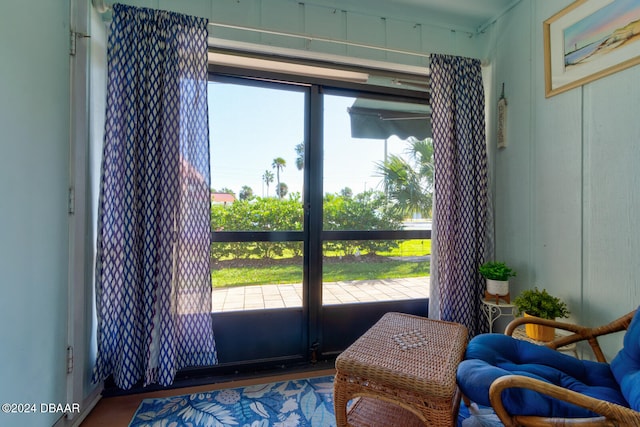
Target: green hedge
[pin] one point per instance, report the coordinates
(364, 211)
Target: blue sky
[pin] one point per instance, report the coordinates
(250, 126)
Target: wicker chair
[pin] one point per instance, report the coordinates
(517, 378)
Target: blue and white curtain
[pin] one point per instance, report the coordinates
(460, 188)
(153, 283)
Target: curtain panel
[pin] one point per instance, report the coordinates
(460, 188)
(153, 283)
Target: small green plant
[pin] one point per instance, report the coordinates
(541, 304)
(496, 271)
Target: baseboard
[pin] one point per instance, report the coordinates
(86, 407)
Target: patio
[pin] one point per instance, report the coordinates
(290, 295)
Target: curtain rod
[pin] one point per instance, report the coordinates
(311, 38)
(102, 7)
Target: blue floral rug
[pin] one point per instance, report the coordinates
(305, 402)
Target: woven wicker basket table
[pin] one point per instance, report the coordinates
(403, 370)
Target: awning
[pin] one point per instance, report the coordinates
(381, 119)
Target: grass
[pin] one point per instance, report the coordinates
(333, 272)
(410, 248)
(374, 270)
(415, 247)
(234, 276)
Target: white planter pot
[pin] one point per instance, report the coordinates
(497, 287)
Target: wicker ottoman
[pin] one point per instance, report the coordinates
(404, 371)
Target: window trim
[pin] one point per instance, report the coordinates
(330, 86)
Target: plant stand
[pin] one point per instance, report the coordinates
(497, 298)
(493, 310)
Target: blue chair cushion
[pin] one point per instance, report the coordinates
(626, 365)
(490, 356)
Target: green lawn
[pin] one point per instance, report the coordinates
(361, 269)
(333, 272)
(410, 248)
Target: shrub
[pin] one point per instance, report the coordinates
(364, 211)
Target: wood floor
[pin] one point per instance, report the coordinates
(118, 411)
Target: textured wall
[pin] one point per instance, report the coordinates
(565, 188)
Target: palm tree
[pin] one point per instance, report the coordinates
(421, 152)
(409, 183)
(278, 164)
(346, 192)
(300, 156)
(282, 190)
(267, 177)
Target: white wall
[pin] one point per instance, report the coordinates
(566, 187)
(34, 139)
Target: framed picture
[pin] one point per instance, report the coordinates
(590, 39)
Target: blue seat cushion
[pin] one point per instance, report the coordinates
(626, 365)
(490, 356)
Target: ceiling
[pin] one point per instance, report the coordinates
(463, 15)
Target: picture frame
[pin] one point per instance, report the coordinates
(588, 40)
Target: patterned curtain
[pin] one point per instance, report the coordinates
(460, 205)
(153, 284)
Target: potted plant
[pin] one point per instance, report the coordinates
(539, 303)
(497, 276)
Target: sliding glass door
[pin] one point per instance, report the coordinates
(320, 214)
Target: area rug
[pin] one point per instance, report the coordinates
(304, 402)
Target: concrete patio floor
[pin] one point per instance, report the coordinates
(290, 295)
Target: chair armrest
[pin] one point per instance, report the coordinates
(580, 333)
(613, 414)
(576, 329)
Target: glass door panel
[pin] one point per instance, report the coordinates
(377, 177)
(375, 182)
(257, 134)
